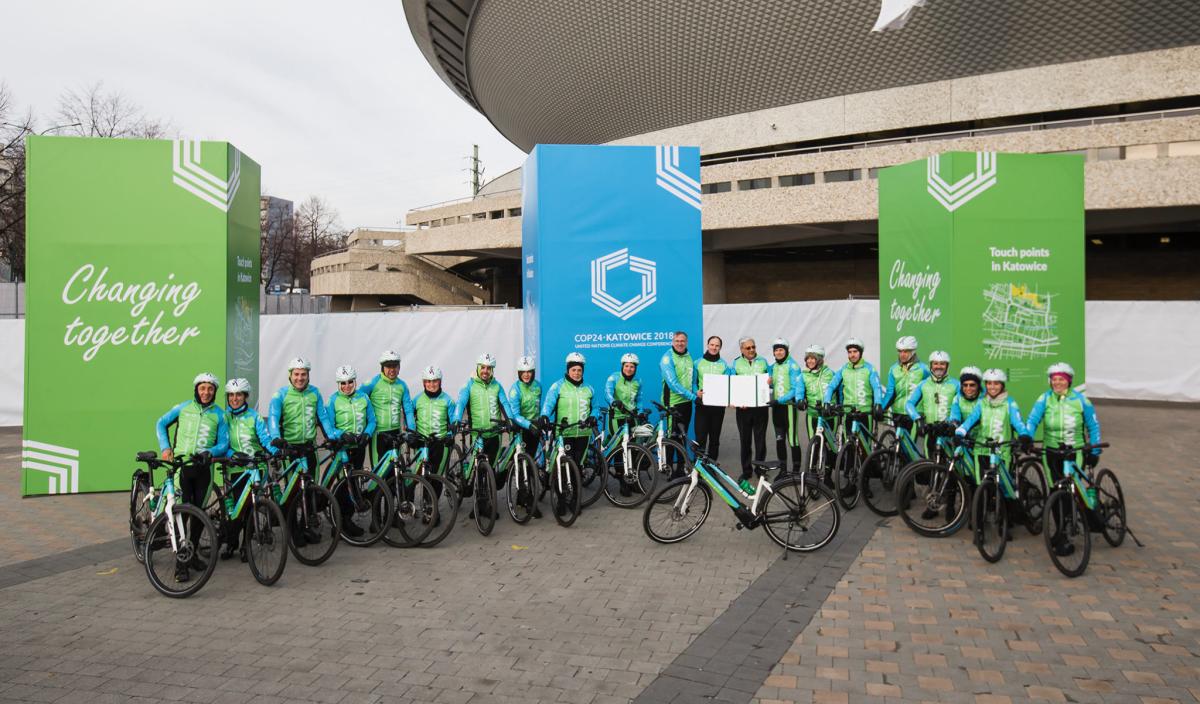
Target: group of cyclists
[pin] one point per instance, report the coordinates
(379, 413)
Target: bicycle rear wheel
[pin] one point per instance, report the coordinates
(932, 500)
(674, 514)
(139, 515)
(265, 541)
(846, 472)
(564, 492)
(182, 570)
(629, 489)
(444, 513)
(522, 488)
(313, 518)
(990, 519)
(1110, 506)
(801, 516)
(877, 481)
(485, 496)
(414, 510)
(371, 511)
(1031, 487)
(1066, 532)
(674, 463)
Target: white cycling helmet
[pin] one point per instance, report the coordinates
(908, 342)
(389, 357)
(238, 386)
(969, 372)
(780, 342)
(939, 356)
(1061, 368)
(206, 378)
(345, 373)
(995, 375)
(299, 363)
(525, 364)
(629, 358)
(486, 360)
(815, 350)
(431, 373)
(575, 358)
(855, 342)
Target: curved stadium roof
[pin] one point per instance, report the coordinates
(563, 71)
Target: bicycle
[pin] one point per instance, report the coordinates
(438, 517)
(264, 539)
(668, 443)
(371, 508)
(475, 471)
(313, 517)
(995, 488)
(1079, 505)
(169, 548)
(857, 443)
(882, 468)
(631, 474)
(563, 482)
(521, 490)
(933, 495)
(823, 445)
(804, 506)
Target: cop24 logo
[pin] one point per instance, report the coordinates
(621, 258)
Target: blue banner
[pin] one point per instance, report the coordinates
(611, 254)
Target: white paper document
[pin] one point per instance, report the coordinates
(716, 389)
(749, 390)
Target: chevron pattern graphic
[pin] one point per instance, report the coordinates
(671, 178)
(953, 196)
(61, 463)
(190, 176)
(624, 309)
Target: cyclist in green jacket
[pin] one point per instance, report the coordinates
(998, 418)
(623, 392)
(679, 386)
(856, 383)
(785, 384)
(931, 400)
(751, 422)
(482, 403)
(432, 410)
(393, 405)
(248, 434)
(352, 412)
(525, 397)
(297, 410)
(1070, 419)
(709, 419)
(904, 376)
(814, 379)
(970, 387)
(200, 432)
(570, 400)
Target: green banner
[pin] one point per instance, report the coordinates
(981, 254)
(143, 265)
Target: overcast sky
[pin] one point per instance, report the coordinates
(331, 98)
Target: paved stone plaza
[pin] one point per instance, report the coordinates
(598, 613)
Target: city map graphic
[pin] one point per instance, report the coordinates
(1018, 323)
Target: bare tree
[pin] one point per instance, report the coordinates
(12, 183)
(92, 112)
(318, 230)
(278, 237)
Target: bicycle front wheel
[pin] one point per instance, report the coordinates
(414, 510)
(139, 516)
(522, 489)
(630, 483)
(990, 520)
(367, 511)
(846, 471)
(265, 541)
(180, 568)
(1111, 507)
(801, 516)
(592, 475)
(674, 512)
(1066, 532)
(313, 518)
(877, 481)
(932, 500)
(1031, 487)
(485, 497)
(565, 498)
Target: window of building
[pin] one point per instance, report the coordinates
(495, 214)
(797, 180)
(753, 184)
(435, 223)
(1110, 153)
(1183, 148)
(716, 187)
(843, 175)
(873, 172)
(514, 212)
(1142, 151)
(479, 216)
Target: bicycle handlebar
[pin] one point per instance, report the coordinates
(1064, 450)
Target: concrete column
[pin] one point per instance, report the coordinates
(714, 277)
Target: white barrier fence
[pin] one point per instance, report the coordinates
(1143, 350)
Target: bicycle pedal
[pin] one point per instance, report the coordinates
(740, 526)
